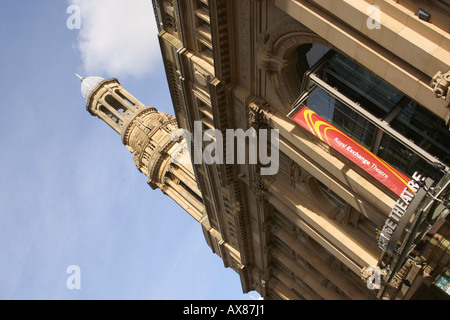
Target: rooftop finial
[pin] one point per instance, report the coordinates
(81, 78)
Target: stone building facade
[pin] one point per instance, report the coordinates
(371, 68)
(323, 227)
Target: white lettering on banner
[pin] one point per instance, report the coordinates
(352, 151)
(340, 143)
(356, 154)
(399, 210)
(382, 173)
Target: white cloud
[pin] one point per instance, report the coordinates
(117, 37)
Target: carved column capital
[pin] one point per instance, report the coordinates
(259, 189)
(256, 116)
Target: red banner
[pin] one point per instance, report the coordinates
(376, 167)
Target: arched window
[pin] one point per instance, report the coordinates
(109, 114)
(117, 91)
(190, 191)
(112, 101)
(308, 55)
(332, 197)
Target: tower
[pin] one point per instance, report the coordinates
(147, 133)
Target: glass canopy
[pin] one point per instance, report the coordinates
(378, 116)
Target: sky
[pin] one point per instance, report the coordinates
(70, 194)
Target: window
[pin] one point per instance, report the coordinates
(109, 114)
(422, 126)
(343, 117)
(112, 101)
(308, 55)
(206, 115)
(205, 50)
(191, 192)
(333, 197)
(374, 113)
(124, 98)
(359, 84)
(203, 30)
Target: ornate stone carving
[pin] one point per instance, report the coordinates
(441, 84)
(271, 226)
(256, 117)
(265, 274)
(295, 172)
(279, 54)
(259, 189)
(277, 50)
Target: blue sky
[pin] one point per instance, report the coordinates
(70, 193)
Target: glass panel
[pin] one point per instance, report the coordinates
(405, 160)
(341, 116)
(426, 130)
(360, 85)
(308, 56)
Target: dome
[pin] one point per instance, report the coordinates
(89, 84)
